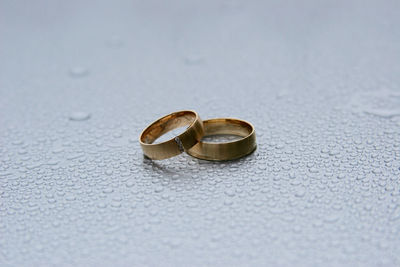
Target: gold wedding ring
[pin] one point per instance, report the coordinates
(177, 145)
(227, 150)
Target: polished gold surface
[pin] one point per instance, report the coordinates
(177, 145)
(228, 150)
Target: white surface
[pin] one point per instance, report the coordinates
(319, 80)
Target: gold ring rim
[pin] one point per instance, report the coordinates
(225, 151)
(175, 146)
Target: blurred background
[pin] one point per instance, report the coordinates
(319, 80)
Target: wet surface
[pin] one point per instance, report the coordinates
(320, 83)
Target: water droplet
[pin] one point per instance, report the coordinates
(108, 190)
(382, 112)
(79, 116)
(78, 72)
(228, 202)
(230, 192)
(300, 192)
(383, 103)
(158, 189)
(331, 218)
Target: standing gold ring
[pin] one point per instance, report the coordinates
(227, 150)
(177, 145)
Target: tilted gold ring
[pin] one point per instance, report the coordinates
(177, 145)
(228, 150)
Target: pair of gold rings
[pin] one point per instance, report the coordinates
(190, 140)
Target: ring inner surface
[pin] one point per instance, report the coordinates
(166, 124)
(226, 127)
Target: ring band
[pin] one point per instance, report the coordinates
(227, 150)
(177, 145)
